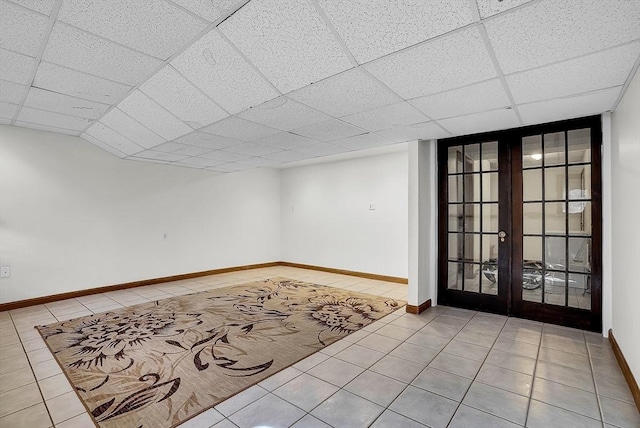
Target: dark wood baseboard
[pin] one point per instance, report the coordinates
(366, 275)
(417, 309)
(626, 371)
(79, 293)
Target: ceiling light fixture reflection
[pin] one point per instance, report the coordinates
(536, 156)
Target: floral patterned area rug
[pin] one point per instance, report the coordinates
(158, 364)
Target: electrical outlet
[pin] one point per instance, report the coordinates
(372, 206)
(5, 271)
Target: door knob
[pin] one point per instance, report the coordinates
(502, 234)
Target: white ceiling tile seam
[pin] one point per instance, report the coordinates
(636, 66)
(335, 33)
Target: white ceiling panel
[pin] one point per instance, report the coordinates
(172, 91)
(111, 138)
(322, 149)
(260, 162)
(373, 28)
(209, 9)
(65, 104)
(75, 83)
(550, 31)
(225, 156)
(82, 51)
(133, 130)
(200, 162)
(220, 72)
(41, 127)
(42, 6)
(569, 107)
(49, 118)
(11, 92)
(252, 149)
(329, 130)
(418, 131)
(21, 30)
(446, 63)
(287, 40)
(161, 156)
(15, 67)
(474, 98)
(387, 117)
(103, 146)
(350, 92)
(230, 167)
(182, 149)
(481, 122)
(588, 73)
(239, 129)
(5, 121)
(135, 23)
(153, 116)
(8, 110)
(284, 114)
(359, 142)
(286, 156)
(286, 141)
(493, 7)
(213, 142)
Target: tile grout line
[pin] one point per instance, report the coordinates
(533, 376)
(595, 385)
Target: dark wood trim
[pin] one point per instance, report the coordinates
(86, 292)
(79, 293)
(626, 371)
(366, 275)
(417, 309)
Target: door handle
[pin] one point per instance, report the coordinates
(502, 234)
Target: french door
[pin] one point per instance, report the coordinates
(520, 222)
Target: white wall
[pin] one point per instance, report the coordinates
(625, 211)
(74, 217)
(326, 219)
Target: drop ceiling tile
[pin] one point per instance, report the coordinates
(160, 156)
(225, 156)
(213, 142)
(446, 63)
(11, 92)
(418, 131)
(200, 162)
(88, 138)
(329, 130)
(5, 121)
(111, 138)
(359, 142)
(182, 149)
(286, 141)
(150, 114)
(133, 130)
(493, 7)
(322, 149)
(260, 162)
(550, 31)
(481, 122)
(42, 6)
(82, 51)
(350, 92)
(21, 30)
(239, 129)
(8, 110)
(569, 107)
(16, 67)
(373, 28)
(75, 83)
(287, 156)
(252, 149)
(230, 167)
(387, 117)
(287, 41)
(588, 73)
(222, 73)
(474, 98)
(284, 114)
(155, 27)
(172, 91)
(41, 127)
(147, 160)
(49, 118)
(65, 104)
(207, 9)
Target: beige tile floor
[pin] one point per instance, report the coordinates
(444, 367)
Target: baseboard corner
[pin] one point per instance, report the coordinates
(411, 309)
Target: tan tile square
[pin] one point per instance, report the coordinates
(19, 398)
(16, 379)
(31, 417)
(65, 406)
